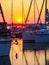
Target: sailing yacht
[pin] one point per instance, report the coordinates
(28, 36)
(5, 36)
(5, 44)
(5, 40)
(42, 35)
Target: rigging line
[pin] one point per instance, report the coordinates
(45, 9)
(37, 9)
(34, 12)
(45, 23)
(12, 24)
(2, 13)
(28, 11)
(22, 11)
(40, 12)
(12, 12)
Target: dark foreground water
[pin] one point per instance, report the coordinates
(28, 54)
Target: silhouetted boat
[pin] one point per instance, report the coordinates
(5, 39)
(42, 35)
(28, 36)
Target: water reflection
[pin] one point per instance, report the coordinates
(19, 55)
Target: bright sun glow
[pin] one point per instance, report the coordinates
(19, 20)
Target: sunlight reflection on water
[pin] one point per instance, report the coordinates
(28, 57)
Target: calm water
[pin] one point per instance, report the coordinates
(28, 57)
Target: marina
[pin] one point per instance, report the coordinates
(26, 44)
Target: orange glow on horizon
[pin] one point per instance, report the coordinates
(17, 11)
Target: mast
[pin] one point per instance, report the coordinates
(45, 24)
(1, 12)
(45, 10)
(12, 23)
(12, 12)
(22, 13)
(34, 11)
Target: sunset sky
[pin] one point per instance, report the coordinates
(17, 10)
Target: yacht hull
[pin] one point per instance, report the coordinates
(28, 37)
(5, 45)
(42, 38)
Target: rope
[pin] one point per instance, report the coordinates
(28, 11)
(37, 9)
(40, 12)
(34, 12)
(45, 10)
(2, 13)
(12, 12)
